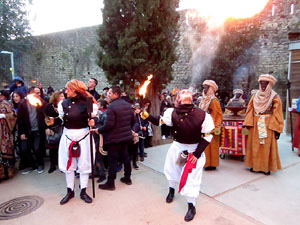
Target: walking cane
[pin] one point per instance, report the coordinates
(290, 105)
(90, 110)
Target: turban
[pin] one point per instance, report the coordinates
(212, 84)
(184, 97)
(263, 99)
(210, 94)
(238, 91)
(267, 77)
(79, 88)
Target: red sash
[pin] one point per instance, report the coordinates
(189, 166)
(70, 154)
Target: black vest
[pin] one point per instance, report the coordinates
(75, 113)
(187, 124)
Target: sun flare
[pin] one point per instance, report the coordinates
(217, 11)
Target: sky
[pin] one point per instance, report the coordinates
(48, 16)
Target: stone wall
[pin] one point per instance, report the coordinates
(59, 57)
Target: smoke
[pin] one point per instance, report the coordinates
(204, 41)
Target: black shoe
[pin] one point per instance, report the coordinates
(101, 179)
(251, 170)
(170, 196)
(69, 195)
(84, 196)
(126, 180)
(107, 187)
(141, 158)
(190, 213)
(145, 154)
(135, 166)
(209, 168)
(267, 173)
(52, 169)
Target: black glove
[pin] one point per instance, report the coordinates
(277, 135)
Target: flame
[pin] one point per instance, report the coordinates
(217, 11)
(143, 89)
(33, 100)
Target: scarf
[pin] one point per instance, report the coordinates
(206, 98)
(263, 99)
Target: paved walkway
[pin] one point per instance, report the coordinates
(230, 195)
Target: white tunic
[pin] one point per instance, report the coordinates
(83, 163)
(173, 171)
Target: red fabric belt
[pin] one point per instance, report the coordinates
(70, 154)
(189, 166)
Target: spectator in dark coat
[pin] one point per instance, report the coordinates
(117, 128)
(31, 124)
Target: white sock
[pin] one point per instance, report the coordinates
(70, 178)
(191, 200)
(84, 180)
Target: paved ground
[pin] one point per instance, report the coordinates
(230, 195)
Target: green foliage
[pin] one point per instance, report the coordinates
(138, 38)
(239, 36)
(14, 27)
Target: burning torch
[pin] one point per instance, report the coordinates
(143, 89)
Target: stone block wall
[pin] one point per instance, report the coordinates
(62, 56)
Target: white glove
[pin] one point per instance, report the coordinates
(290, 109)
(2, 116)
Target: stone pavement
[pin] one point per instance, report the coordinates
(230, 195)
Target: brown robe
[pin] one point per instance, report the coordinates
(6, 130)
(6, 138)
(212, 150)
(264, 157)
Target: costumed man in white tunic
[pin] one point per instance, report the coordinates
(191, 127)
(73, 112)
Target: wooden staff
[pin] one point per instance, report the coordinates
(90, 110)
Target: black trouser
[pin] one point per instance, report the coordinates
(53, 156)
(99, 158)
(133, 151)
(33, 142)
(114, 151)
(165, 130)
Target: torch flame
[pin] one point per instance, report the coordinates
(33, 100)
(143, 89)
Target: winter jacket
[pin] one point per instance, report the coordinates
(118, 123)
(23, 89)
